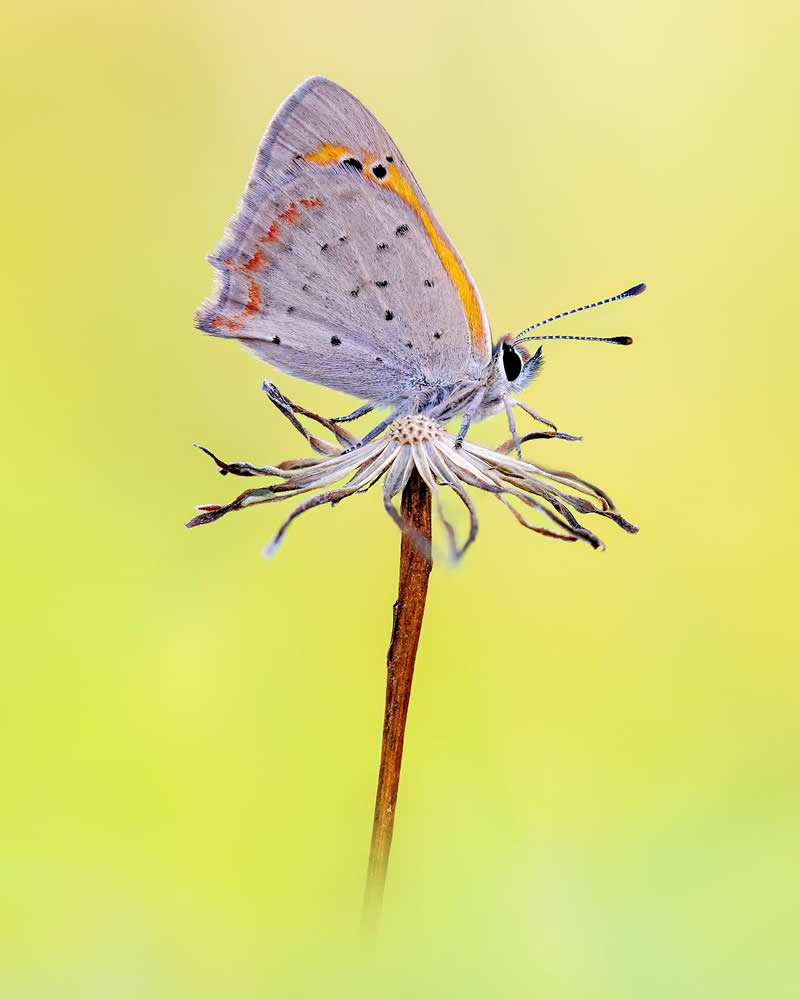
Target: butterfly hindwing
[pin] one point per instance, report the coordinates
(335, 268)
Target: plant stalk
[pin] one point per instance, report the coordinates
(409, 609)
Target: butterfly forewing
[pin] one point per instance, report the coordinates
(335, 268)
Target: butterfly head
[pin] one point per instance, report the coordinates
(511, 370)
(514, 365)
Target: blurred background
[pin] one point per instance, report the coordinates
(600, 794)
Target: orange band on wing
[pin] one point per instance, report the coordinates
(329, 155)
(466, 290)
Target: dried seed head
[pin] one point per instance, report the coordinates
(420, 442)
(414, 430)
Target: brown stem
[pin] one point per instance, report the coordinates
(415, 568)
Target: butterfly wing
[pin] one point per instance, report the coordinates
(335, 268)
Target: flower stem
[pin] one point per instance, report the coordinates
(409, 609)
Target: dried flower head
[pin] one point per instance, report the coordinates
(349, 467)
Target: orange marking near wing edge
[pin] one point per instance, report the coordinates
(254, 297)
(254, 300)
(226, 324)
(291, 216)
(273, 234)
(258, 262)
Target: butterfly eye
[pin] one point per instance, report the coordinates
(512, 363)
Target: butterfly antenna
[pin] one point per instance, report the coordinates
(627, 294)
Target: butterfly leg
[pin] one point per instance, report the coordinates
(362, 411)
(375, 431)
(472, 409)
(512, 426)
(534, 414)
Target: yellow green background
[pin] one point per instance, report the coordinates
(600, 790)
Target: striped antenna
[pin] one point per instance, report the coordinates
(628, 294)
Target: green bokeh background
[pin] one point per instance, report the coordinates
(600, 785)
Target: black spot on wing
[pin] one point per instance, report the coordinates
(388, 314)
(383, 246)
(276, 340)
(335, 341)
(401, 230)
(353, 164)
(355, 292)
(381, 284)
(428, 282)
(379, 171)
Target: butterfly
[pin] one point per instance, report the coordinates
(336, 270)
